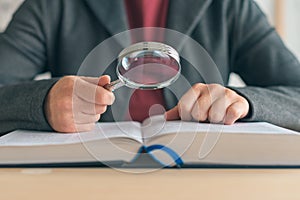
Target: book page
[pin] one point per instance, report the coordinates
(241, 143)
(157, 126)
(102, 131)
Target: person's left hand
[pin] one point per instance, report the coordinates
(210, 102)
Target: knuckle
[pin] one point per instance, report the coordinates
(204, 101)
(227, 91)
(198, 86)
(232, 112)
(230, 94)
(214, 88)
(214, 85)
(243, 100)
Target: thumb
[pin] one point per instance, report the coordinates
(172, 114)
(104, 80)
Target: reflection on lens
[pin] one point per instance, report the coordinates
(148, 69)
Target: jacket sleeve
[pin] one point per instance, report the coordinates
(270, 70)
(22, 57)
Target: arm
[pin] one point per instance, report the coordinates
(22, 57)
(270, 70)
(70, 104)
(21, 106)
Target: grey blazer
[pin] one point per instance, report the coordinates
(57, 35)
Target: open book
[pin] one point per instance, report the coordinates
(168, 143)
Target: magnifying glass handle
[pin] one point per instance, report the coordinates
(114, 85)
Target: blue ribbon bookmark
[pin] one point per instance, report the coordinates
(169, 151)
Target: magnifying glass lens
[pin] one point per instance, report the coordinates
(148, 66)
(148, 69)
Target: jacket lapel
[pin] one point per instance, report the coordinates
(111, 13)
(184, 15)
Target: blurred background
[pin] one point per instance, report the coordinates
(283, 14)
(7, 8)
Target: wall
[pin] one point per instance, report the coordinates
(292, 19)
(7, 7)
(269, 8)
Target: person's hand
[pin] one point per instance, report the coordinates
(212, 102)
(74, 103)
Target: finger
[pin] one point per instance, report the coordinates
(85, 90)
(201, 107)
(85, 127)
(188, 100)
(209, 94)
(93, 93)
(234, 112)
(104, 80)
(80, 105)
(104, 96)
(92, 80)
(99, 109)
(218, 109)
(172, 114)
(82, 118)
(100, 81)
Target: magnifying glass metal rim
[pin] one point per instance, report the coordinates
(145, 46)
(150, 46)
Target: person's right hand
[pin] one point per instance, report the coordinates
(75, 103)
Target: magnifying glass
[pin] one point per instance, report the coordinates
(147, 66)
